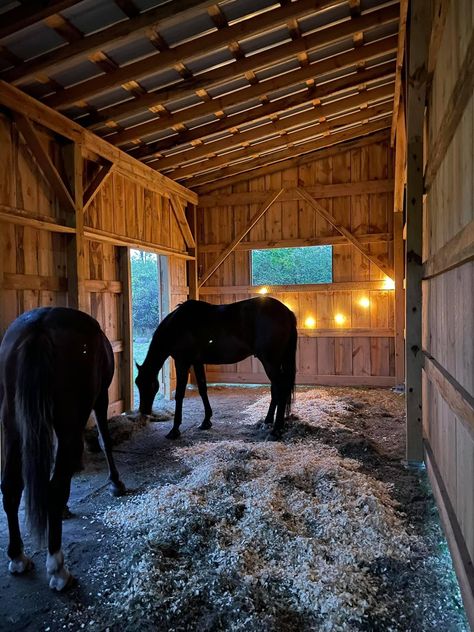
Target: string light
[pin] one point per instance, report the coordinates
(388, 283)
(364, 302)
(310, 322)
(263, 290)
(340, 319)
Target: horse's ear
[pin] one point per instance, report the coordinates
(139, 366)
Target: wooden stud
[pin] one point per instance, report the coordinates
(182, 221)
(417, 75)
(96, 184)
(126, 365)
(399, 66)
(399, 270)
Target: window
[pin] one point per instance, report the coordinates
(292, 266)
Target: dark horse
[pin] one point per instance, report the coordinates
(198, 333)
(56, 365)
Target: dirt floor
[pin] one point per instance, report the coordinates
(421, 594)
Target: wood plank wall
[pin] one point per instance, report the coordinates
(33, 246)
(448, 287)
(361, 351)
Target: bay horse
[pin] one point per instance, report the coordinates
(198, 333)
(56, 365)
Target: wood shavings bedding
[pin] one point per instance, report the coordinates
(259, 537)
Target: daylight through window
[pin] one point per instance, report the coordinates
(292, 266)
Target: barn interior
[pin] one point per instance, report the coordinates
(210, 133)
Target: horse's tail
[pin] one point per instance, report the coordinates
(34, 414)
(289, 363)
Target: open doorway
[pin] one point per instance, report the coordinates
(148, 307)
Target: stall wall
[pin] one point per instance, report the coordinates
(362, 350)
(448, 287)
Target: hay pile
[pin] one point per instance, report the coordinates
(258, 537)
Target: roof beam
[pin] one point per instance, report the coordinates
(286, 141)
(194, 48)
(242, 65)
(113, 35)
(29, 13)
(279, 126)
(288, 157)
(349, 82)
(366, 52)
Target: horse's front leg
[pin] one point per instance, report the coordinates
(182, 371)
(116, 487)
(202, 386)
(12, 488)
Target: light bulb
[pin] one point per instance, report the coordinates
(340, 319)
(310, 322)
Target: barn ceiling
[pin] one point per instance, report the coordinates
(202, 90)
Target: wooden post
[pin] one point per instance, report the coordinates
(399, 265)
(127, 334)
(77, 296)
(417, 76)
(192, 264)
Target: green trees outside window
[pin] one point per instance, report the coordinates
(292, 266)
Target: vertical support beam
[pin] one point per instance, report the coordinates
(192, 265)
(127, 334)
(417, 77)
(399, 265)
(77, 296)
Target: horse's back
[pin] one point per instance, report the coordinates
(81, 350)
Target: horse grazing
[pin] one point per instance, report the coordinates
(198, 333)
(56, 365)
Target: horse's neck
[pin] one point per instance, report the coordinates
(157, 354)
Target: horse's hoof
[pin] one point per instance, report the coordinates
(62, 580)
(117, 489)
(20, 565)
(268, 422)
(205, 425)
(173, 434)
(275, 435)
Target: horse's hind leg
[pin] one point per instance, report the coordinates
(279, 397)
(202, 386)
(12, 488)
(271, 409)
(116, 487)
(68, 457)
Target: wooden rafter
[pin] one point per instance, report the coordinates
(304, 138)
(318, 208)
(244, 64)
(96, 184)
(229, 249)
(290, 152)
(117, 34)
(383, 72)
(180, 215)
(44, 161)
(281, 126)
(399, 67)
(199, 45)
(365, 53)
(331, 148)
(29, 13)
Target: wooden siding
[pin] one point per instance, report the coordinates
(448, 289)
(36, 232)
(360, 352)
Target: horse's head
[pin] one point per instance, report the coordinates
(148, 386)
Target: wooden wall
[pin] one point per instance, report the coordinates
(36, 233)
(356, 187)
(448, 286)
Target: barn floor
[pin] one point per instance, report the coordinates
(135, 553)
